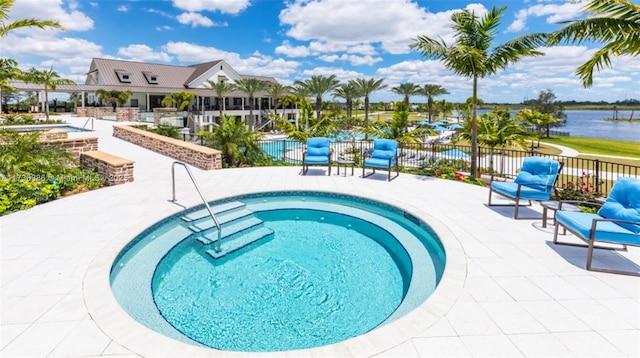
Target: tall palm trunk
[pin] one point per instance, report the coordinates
(474, 129)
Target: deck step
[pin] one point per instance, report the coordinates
(217, 209)
(224, 218)
(241, 241)
(207, 237)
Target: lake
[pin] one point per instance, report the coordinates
(590, 124)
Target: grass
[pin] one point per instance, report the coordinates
(599, 146)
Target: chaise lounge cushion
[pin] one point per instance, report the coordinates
(623, 203)
(606, 231)
(526, 192)
(538, 173)
(317, 151)
(384, 154)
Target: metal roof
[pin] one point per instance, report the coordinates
(171, 78)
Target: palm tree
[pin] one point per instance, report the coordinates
(616, 23)
(366, 87)
(277, 90)
(318, 86)
(431, 91)
(495, 129)
(356, 103)
(313, 128)
(407, 90)
(250, 86)
(238, 144)
(537, 120)
(49, 78)
(220, 89)
(8, 70)
(5, 7)
(471, 55)
(288, 100)
(179, 100)
(348, 91)
(115, 97)
(396, 128)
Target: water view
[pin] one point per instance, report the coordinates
(591, 124)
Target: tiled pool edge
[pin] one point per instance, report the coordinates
(124, 330)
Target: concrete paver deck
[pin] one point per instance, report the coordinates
(507, 289)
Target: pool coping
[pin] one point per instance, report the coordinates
(119, 326)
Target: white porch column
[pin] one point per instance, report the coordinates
(148, 104)
(82, 99)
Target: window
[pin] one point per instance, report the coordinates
(134, 102)
(123, 76)
(152, 79)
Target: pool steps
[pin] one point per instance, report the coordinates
(239, 226)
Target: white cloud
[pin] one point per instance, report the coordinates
(51, 10)
(224, 6)
(341, 74)
(123, 8)
(556, 13)
(164, 28)
(256, 64)
(47, 47)
(292, 51)
(140, 52)
(352, 59)
(159, 12)
(194, 19)
(336, 25)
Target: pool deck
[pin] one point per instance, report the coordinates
(507, 289)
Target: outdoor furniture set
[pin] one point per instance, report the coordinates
(617, 221)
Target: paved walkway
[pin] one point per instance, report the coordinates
(507, 289)
(566, 151)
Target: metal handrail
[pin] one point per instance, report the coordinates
(216, 244)
(87, 122)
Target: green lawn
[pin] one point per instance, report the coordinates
(598, 146)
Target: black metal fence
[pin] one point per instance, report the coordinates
(598, 174)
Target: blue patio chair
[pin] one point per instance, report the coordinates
(317, 152)
(535, 181)
(616, 222)
(383, 156)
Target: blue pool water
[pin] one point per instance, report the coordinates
(67, 128)
(335, 267)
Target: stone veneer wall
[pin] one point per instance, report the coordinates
(123, 114)
(75, 146)
(114, 170)
(127, 114)
(52, 134)
(160, 112)
(196, 155)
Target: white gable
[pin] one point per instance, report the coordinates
(217, 73)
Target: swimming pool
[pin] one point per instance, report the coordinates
(67, 128)
(299, 284)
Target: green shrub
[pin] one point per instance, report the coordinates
(32, 172)
(165, 130)
(23, 194)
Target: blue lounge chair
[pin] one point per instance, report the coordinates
(617, 222)
(384, 156)
(318, 152)
(535, 181)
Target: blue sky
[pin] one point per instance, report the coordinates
(295, 39)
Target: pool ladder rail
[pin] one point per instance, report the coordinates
(242, 226)
(216, 243)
